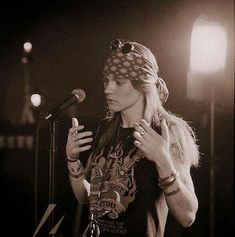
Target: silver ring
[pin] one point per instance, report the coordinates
(142, 133)
(74, 135)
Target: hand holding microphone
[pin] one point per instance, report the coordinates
(77, 141)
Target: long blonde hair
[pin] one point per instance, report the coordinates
(184, 147)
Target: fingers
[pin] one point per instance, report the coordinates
(138, 128)
(75, 126)
(149, 131)
(146, 126)
(144, 133)
(78, 141)
(77, 150)
(165, 130)
(75, 129)
(138, 136)
(80, 135)
(148, 141)
(137, 144)
(83, 141)
(74, 122)
(144, 129)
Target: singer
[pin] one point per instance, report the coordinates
(138, 170)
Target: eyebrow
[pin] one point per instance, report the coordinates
(116, 78)
(120, 78)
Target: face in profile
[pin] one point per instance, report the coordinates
(120, 94)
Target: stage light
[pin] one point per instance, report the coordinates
(27, 47)
(207, 61)
(208, 47)
(36, 100)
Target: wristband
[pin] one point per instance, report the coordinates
(176, 190)
(71, 160)
(164, 182)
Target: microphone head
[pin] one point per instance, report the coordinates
(80, 94)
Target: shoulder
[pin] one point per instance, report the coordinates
(183, 143)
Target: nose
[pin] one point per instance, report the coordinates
(109, 88)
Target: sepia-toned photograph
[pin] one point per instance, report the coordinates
(117, 118)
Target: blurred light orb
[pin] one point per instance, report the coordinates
(36, 100)
(208, 46)
(24, 60)
(27, 47)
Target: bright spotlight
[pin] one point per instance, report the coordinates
(27, 47)
(36, 100)
(208, 47)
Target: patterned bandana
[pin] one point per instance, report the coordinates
(133, 66)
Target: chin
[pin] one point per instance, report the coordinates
(114, 109)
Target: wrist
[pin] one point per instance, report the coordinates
(71, 160)
(75, 169)
(165, 166)
(171, 184)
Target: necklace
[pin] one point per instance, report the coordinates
(118, 146)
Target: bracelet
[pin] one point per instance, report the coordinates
(76, 172)
(173, 192)
(73, 175)
(166, 185)
(71, 160)
(167, 181)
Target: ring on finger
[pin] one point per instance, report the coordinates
(142, 133)
(75, 133)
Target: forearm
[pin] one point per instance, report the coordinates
(78, 181)
(179, 192)
(182, 205)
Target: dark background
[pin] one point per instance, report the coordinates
(70, 40)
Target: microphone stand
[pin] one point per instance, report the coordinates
(52, 151)
(51, 189)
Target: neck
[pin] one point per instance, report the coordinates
(133, 114)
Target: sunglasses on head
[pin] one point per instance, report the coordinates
(125, 47)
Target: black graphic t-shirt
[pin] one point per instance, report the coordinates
(124, 189)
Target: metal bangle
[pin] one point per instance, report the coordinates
(167, 180)
(173, 192)
(166, 185)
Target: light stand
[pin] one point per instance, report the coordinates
(211, 163)
(207, 59)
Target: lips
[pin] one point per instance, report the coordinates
(109, 100)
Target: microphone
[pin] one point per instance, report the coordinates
(77, 96)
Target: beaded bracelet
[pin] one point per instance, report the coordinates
(73, 175)
(77, 172)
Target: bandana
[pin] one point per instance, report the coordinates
(131, 66)
(135, 67)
